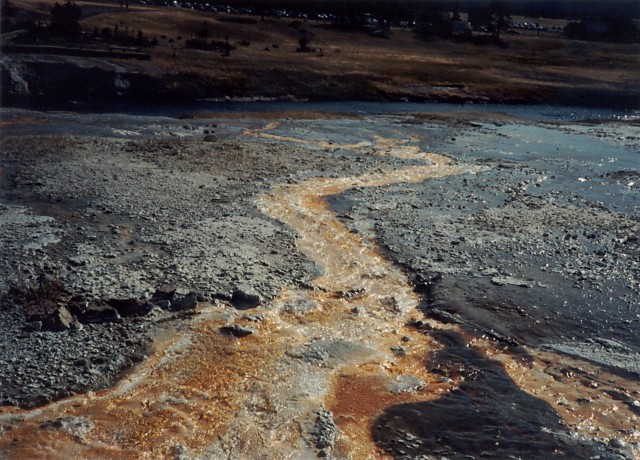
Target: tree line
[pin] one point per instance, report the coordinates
(410, 10)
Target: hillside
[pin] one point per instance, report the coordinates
(262, 61)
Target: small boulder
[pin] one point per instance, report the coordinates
(237, 330)
(244, 298)
(130, 307)
(164, 304)
(99, 313)
(165, 292)
(54, 317)
(63, 320)
(184, 302)
(95, 312)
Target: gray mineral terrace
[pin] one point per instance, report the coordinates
(410, 285)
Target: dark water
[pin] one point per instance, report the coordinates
(526, 112)
(488, 416)
(381, 108)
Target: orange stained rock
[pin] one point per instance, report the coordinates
(184, 399)
(357, 398)
(360, 394)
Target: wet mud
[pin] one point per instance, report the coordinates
(486, 416)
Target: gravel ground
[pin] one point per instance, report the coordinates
(540, 248)
(132, 230)
(114, 233)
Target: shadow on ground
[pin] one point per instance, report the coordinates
(488, 416)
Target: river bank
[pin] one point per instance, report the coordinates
(43, 82)
(318, 284)
(342, 64)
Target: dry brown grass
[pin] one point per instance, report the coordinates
(357, 66)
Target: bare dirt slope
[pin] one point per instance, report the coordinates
(345, 65)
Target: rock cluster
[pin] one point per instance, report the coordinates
(137, 223)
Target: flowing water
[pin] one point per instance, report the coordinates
(205, 391)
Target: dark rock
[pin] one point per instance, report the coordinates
(33, 326)
(443, 316)
(97, 312)
(399, 351)
(237, 330)
(221, 295)
(424, 284)
(244, 298)
(165, 304)
(253, 318)
(324, 431)
(130, 307)
(184, 302)
(165, 292)
(54, 317)
(210, 138)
